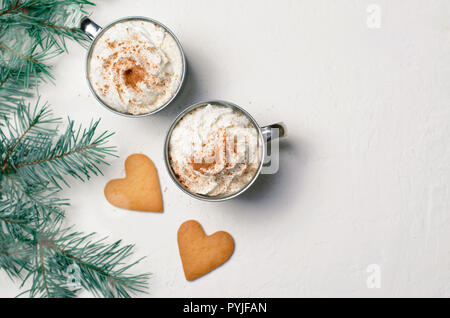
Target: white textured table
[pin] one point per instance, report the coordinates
(365, 172)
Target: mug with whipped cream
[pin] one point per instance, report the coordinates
(214, 151)
(135, 66)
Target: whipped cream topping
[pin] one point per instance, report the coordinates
(135, 67)
(215, 151)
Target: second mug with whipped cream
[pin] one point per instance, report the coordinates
(135, 66)
(215, 150)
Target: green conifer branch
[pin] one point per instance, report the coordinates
(14, 256)
(64, 262)
(31, 32)
(34, 163)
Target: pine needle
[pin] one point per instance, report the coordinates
(37, 161)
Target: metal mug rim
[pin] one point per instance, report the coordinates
(169, 134)
(105, 28)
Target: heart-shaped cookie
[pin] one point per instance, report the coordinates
(140, 190)
(200, 253)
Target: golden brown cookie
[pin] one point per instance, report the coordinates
(200, 253)
(140, 190)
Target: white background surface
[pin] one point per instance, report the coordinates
(365, 172)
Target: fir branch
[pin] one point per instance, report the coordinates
(14, 256)
(101, 266)
(28, 58)
(31, 154)
(64, 262)
(29, 127)
(37, 201)
(34, 164)
(10, 7)
(33, 160)
(77, 153)
(31, 32)
(29, 124)
(12, 90)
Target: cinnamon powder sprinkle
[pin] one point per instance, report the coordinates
(203, 165)
(133, 76)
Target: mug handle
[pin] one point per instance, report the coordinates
(90, 28)
(275, 131)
